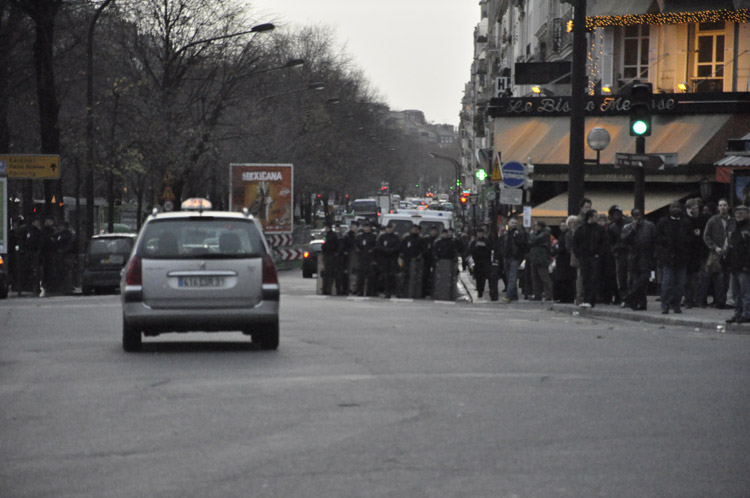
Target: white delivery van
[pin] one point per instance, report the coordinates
(404, 219)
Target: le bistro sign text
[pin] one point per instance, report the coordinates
(599, 105)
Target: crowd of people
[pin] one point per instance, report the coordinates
(692, 253)
(41, 256)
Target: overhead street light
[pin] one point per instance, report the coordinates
(262, 27)
(317, 85)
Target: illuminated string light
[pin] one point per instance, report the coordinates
(657, 19)
(662, 18)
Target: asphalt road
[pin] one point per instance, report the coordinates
(370, 398)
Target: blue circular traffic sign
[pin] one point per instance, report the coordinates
(513, 174)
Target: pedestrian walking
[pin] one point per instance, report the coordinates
(49, 257)
(672, 239)
(513, 243)
(31, 257)
(429, 261)
(608, 293)
(480, 251)
(388, 247)
(716, 239)
(738, 256)
(539, 259)
(639, 237)
(497, 271)
(588, 246)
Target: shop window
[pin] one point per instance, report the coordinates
(635, 52)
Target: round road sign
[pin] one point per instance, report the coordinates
(513, 174)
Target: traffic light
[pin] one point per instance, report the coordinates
(640, 110)
(463, 200)
(481, 174)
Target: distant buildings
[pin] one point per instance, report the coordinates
(412, 123)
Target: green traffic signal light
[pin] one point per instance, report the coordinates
(639, 127)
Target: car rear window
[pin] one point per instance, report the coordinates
(110, 246)
(201, 237)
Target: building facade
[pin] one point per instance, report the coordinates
(695, 55)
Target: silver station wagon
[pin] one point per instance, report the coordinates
(200, 270)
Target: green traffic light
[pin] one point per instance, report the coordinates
(639, 127)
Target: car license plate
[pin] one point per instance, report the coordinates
(201, 281)
(116, 259)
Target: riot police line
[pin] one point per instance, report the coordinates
(42, 256)
(362, 262)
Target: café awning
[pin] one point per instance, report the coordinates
(555, 210)
(697, 139)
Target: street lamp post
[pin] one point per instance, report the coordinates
(318, 85)
(456, 166)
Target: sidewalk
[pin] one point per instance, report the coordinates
(703, 318)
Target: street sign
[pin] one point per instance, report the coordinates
(647, 161)
(31, 166)
(490, 196)
(496, 177)
(511, 196)
(513, 174)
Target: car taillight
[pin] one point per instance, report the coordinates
(1, 261)
(306, 255)
(269, 271)
(133, 275)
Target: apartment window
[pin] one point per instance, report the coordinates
(635, 52)
(709, 57)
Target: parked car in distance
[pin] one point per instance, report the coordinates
(310, 258)
(200, 271)
(103, 261)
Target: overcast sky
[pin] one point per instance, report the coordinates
(416, 53)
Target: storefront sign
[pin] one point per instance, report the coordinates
(661, 103)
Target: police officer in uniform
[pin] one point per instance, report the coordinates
(480, 250)
(388, 246)
(412, 251)
(445, 253)
(49, 256)
(65, 249)
(429, 261)
(364, 245)
(31, 254)
(343, 259)
(330, 250)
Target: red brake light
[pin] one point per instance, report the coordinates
(133, 275)
(269, 271)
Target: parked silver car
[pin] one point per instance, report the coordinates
(200, 271)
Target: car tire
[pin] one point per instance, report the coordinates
(3, 292)
(131, 338)
(306, 274)
(268, 336)
(87, 290)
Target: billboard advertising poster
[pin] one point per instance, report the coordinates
(267, 191)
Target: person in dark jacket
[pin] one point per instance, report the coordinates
(588, 246)
(330, 251)
(364, 245)
(619, 251)
(564, 276)
(540, 253)
(672, 240)
(344, 260)
(30, 262)
(66, 251)
(480, 251)
(412, 252)
(388, 247)
(514, 243)
(738, 257)
(429, 261)
(50, 262)
(639, 237)
(697, 277)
